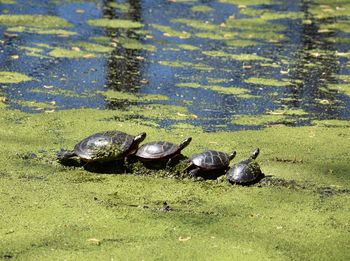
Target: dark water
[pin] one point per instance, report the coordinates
(299, 51)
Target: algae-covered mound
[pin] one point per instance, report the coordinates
(57, 212)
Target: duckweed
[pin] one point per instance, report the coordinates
(43, 21)
(266, 81)
(238, 57)
(115, 23)
(226, 90)
(33, 30)
(13, 77)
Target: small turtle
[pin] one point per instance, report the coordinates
(104, 147)
(210, 161)
(246, 171)
(162, 151)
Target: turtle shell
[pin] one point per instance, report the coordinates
(157, 150)
(104, 146)
(211, 160)
(244, 172)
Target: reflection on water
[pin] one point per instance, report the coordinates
(220, 64)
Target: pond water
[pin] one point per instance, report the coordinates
(220, 64)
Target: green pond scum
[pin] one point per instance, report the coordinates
(57, 212)
(231, 74)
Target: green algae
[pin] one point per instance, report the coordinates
(183, 1)
(271, 37)
(129, 43)
(238, 57)
(101, 39)
(196, 24)
(183, 64)
(329, 9)
(201, 8)
(332, 123)
(170, 32)
(7, 1)
(76, 214)
(252, 11)
(33, 30)
(253, 24)
(217, 88)
(37, 105)
(13, 77)
(116, 95)
(42, 21)
(115, 23)
(341, 88)
(271, 15)
(188, 47)
(123, 7)
(161, 111)
(288, 111)
(257, 119)
(249, 2)
(343, 77)
(268, 82)
(54, 91)
(59, 52)
(217, 35)
(343, 26)
(33, 51)
(92, 47)
(241, 43)
(281, 15)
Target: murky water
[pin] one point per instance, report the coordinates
(220, 64)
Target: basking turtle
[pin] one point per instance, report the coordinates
(161, 151)
(246, 171)
(209, 162)
(104, 147)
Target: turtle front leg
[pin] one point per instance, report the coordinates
(194, 173)
(63, 154)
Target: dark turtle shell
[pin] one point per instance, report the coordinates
(246, 171)
(107, 146)
(211, 160)
(160, 150)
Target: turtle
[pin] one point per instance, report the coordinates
(209, 162)
(104, 147)
(161, 151)
(246, 171)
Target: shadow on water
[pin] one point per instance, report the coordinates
(315, 67)
(123, 74)
(214, 65)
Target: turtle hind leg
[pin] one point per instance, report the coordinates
(64, 155)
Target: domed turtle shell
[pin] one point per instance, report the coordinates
(161, 150)
(212, 159)
(246, 171)
(105, 146)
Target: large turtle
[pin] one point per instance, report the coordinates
(104, 147)
(209, 162)
(246, 171)
(161, 151)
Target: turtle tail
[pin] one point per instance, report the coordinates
(63, 154)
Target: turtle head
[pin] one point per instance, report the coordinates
(135, 145)
(232, 155)
(185, 143)
(255, 154)
(140, 138)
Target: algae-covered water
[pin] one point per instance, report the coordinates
(232, 74)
